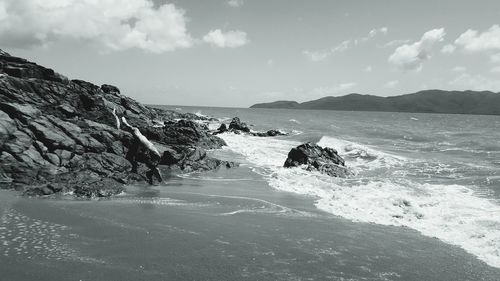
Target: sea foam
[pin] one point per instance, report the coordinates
(454, 214)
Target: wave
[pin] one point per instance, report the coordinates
(360, 156)
(454, 214)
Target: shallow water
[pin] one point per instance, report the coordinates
(206, 227)
(422, 206)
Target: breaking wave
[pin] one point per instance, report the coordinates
(380, 194)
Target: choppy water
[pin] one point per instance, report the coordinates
(437, 174)
(423, 205)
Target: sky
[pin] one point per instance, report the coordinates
(236, 53)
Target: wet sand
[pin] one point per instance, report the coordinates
(226, 225)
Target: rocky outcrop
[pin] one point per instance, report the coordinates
(61, 135)
(270, 133)
(314, 157)
(238, 127)
(184, 132)
(190, 159)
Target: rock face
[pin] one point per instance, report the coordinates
(61, 135)
(314, 157)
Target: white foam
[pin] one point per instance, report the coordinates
(268, 152)
(213, 125)
(360, 156)
(451, 213)
(199, 114)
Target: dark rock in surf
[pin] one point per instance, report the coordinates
(222, 129)
(237, 125)
(314, 157)
(270, 133)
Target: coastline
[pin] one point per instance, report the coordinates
(277, 236)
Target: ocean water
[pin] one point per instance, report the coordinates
(424, 204)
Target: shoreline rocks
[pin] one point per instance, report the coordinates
(238, 127)
(61, 135)
(314, 157)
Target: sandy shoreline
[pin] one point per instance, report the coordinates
(226, 225)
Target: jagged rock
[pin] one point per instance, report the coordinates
(314, 157)
(50, 135)
(23, 112)
(222, 129)
(184, 132)
(110, 89)
(68, 110)
(238, 127)
(100, 187)
(236, 124)
(63, 133)
(21, 68)
(190, 159)
(7, 127)
(3, 53)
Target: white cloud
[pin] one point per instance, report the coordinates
(324, 54)
(321, 55)
(270, 62)
(391, 84)
(374, 32)
(473, 41)
(448, 49)
(235, 3)
(467, 81)
(459, 69)
(229, 39)
(317, 55)
(495, 58)
(411, 57)
(395, 43)
(369, 68)
(113, 24)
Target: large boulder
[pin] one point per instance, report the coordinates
(314, 157)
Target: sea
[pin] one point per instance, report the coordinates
(423, 203)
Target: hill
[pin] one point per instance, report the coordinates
(428, 101)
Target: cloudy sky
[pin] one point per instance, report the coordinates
(240, 52)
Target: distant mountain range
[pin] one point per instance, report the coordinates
(428, 101)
